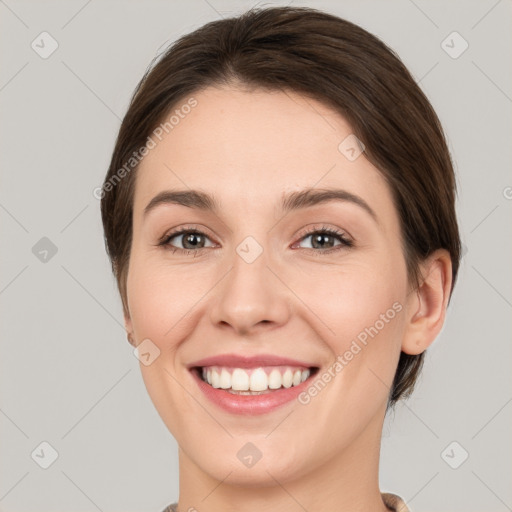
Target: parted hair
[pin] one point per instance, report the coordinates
(334, 61)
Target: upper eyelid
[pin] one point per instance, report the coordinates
(185, 229)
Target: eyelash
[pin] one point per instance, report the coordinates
(344, 242)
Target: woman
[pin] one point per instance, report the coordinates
(279, 214)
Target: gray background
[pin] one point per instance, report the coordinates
(68, 375)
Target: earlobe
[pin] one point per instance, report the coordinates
(129, 328)
(129, 337)
(427, 305)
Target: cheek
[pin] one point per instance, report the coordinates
(146, 303)
(364, 313)
(359, 314)
(364, 306)
(352, 296)
(161, 298)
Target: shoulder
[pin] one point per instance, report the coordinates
(393, 502)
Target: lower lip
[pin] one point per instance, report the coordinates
(250, 404)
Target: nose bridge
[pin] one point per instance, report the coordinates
(250, 294)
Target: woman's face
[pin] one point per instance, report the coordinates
(263, 279)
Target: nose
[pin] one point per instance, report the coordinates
(251, 298)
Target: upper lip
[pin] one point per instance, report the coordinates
(240, 361)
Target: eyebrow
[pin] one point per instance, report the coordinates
(290, 201)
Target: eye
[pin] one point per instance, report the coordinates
(192, 241)
(325, 238)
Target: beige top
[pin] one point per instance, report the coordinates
(392, 501)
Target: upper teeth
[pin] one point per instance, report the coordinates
(254, 379)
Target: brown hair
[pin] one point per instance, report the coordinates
(334, 61)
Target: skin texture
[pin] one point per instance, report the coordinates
(247, 149)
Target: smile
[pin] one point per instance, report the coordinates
(253, 391)
(254, 381)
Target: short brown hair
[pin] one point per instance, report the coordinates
(336, 62)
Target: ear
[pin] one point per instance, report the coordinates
(129, 327)
(426, 305)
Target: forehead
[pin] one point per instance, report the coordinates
(255, 145)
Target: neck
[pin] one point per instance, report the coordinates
(346, 482)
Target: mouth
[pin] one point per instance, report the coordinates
(260, 380)
(251, 384)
